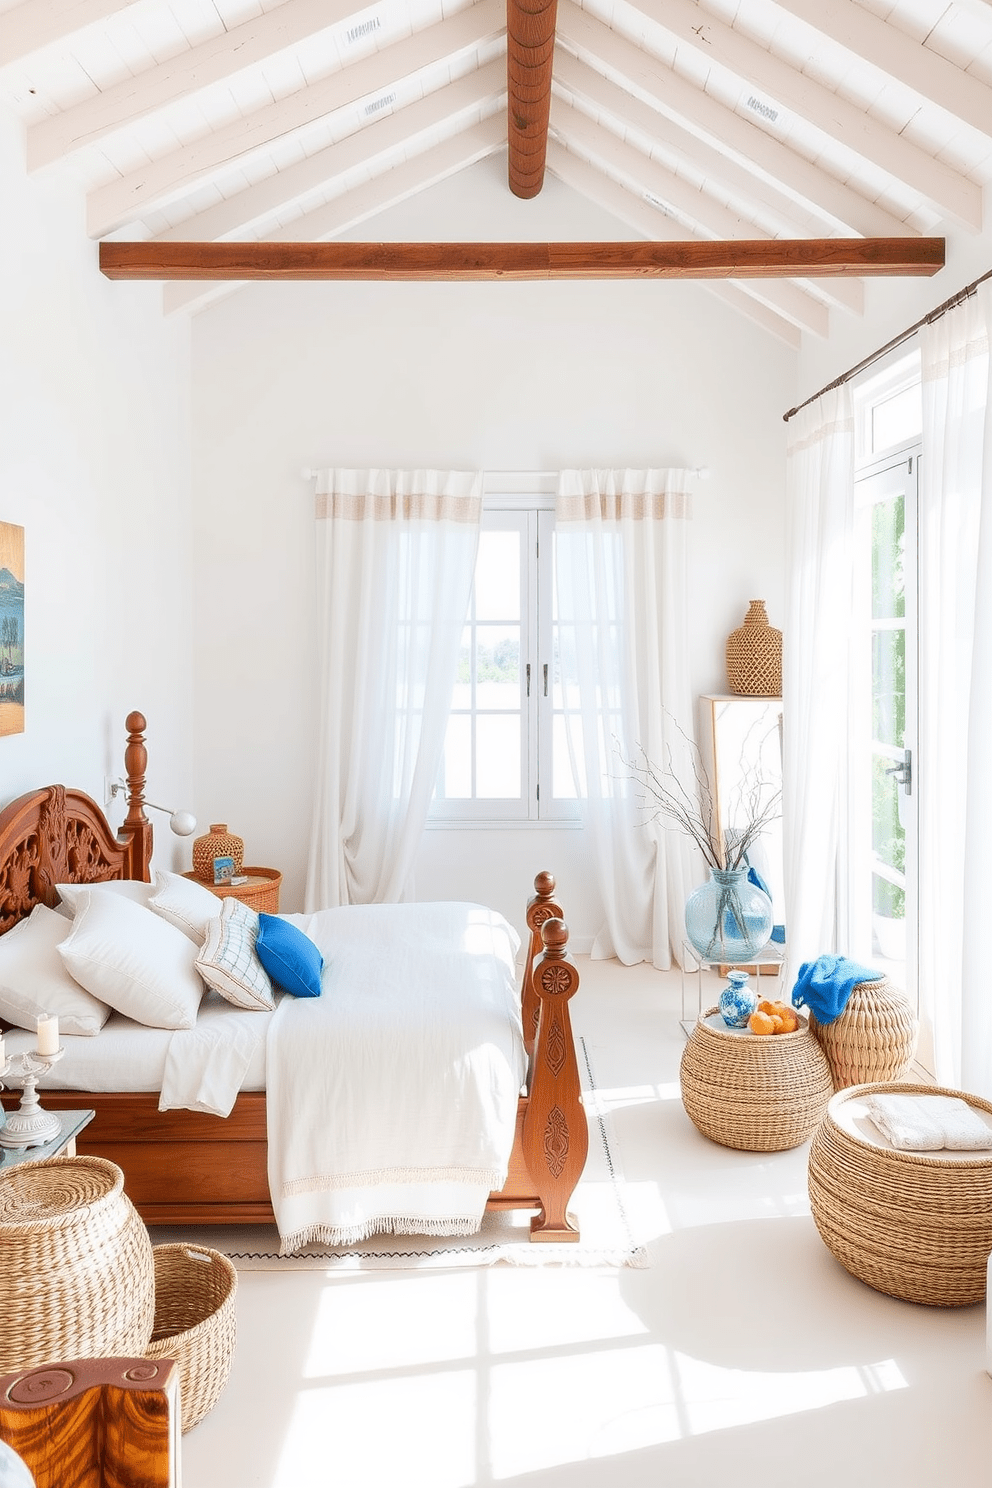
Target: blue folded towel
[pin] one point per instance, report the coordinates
(824, 985)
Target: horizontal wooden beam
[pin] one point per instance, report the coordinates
(744, 259)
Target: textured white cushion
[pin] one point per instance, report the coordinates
(127, 888)
(188, 905)
(228, 961)
(33, 979)
(133, 959)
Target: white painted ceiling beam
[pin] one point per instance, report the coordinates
(35, 24)
(347, 211)
(125, 200)
(584, 81)
(591, 183)
(752, 145)
(646, 176)
(898, 55)
(210, 62)
(946, 189)
(255, 203)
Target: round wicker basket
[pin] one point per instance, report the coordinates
(754, 655)
(76, 1277)
(195, 1323)
(873, 1039)
(756, 1093)
(913, 1225)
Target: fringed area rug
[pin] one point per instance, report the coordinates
(597, 1204)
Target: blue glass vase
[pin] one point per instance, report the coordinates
(728, 919)
(738, 1000)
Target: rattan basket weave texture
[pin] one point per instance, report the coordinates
(913, 1225)
(873, 1039)
(756, 1093)
(754, 655)
(195, 1323)
(76, 1271)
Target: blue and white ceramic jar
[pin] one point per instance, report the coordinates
(737, 1000)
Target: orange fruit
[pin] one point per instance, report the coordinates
(790, 1021)
(760, 1022)
(767, 1007)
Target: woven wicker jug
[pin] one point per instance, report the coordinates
(217, 843)
(754, 655)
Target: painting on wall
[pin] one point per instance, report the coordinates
(11, 629)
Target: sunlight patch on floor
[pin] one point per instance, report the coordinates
(410, 1320)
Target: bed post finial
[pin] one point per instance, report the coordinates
(556, 1133)
(137, 829)
(541, 906)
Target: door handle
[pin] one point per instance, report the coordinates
(904, 772)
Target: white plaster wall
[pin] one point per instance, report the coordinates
(94, 464)
(502, 376)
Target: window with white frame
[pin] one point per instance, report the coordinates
(505, 753)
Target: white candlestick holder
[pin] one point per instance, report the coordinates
(29, 1125)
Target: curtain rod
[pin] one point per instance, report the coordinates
(955, 299)
(700, 471)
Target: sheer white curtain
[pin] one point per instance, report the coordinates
(953, 774)
(816, 659)
(395, 562)
(621, 588)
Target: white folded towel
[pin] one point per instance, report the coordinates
(927, 1123)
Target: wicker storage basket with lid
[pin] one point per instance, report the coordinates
(77, 1278)
(754, 655)
(758, 1093)
(915, 1225)
(874, 1038)
(195, 1323)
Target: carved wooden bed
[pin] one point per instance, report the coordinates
(186, 1167)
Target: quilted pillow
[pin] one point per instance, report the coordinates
(291, 959)
(188, 905)
(34, 980)
(133, 959)
(228, 961)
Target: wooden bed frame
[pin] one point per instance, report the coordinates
(185, 1167)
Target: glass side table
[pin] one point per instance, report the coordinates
(71, 1124)
(698, 993)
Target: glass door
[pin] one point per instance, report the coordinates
(883, 799)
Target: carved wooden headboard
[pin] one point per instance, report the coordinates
(55, 835)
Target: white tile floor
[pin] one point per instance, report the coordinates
(744, 1355)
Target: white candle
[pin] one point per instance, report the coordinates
(48, 1034)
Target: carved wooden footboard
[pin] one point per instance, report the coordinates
(185, 1167)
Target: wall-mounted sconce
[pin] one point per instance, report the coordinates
(183, 823)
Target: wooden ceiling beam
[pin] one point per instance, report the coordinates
(530, 46)
(35, 24)
(743, 259)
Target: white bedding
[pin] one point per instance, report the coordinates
(392, 1098)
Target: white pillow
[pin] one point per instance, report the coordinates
(127, 888)
(33, 979)
(188, 905)
(133, 959)
(228, 961)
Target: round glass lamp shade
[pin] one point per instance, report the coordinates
(728, 919)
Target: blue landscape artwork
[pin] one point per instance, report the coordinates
(11, 629)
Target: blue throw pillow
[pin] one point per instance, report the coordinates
(292, 960)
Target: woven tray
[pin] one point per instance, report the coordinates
(195, 1323)
(873, 1039)
(755, 1093)
(913, 1225)
(76, 1269)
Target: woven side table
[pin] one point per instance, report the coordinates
(914, 1225)
(756, 1093)
(873, 1039)
(77, 1277)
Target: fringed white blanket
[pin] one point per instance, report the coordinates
(392, 1097)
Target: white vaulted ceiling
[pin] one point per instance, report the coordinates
(297, 121)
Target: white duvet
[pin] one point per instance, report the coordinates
(392, 1098)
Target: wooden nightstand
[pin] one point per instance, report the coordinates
(261, 892)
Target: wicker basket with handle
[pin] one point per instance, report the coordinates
(195, 1323)
(77, 1277)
